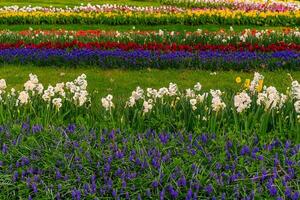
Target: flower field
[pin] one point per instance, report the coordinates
(96, 136)
(134, 49)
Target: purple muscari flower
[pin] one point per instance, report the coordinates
(162, 195)
(287, 144)
(288, 192)
(112, 135)
(57, 197)
(124, 184)
(148, 193)
(245, 150)
(204, 138)
(264, 175)
(71, 128)
(15, 176)
(139, 197)
(73, 193)
(34, 188)
(109, 183)
(228, 144)
(223, 197)
(78, 194)
(25, 126)
(208, 189)
(163, 138)
(86, 189)
(276, 160)
(4, 149)
(173, 193)
(1, 163)
(29, 197)
(36, 178)
(272, 190)
(154, 184)
(296, 196)
(279, 198)
(114, 193)
(189, 194)
(59, 187)
(218, 166)
(260, 157)
(181, 182)
(36, 128)
(58, 174)
(119, 154)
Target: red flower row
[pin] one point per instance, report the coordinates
(279, 46)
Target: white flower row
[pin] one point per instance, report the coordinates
(90, 8)
(269, 98)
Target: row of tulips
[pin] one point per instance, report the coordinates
(188, 17)
(280, 46)
(279, 6)
(247, 36)
(254, 107)
(77, 162)
(274, 6)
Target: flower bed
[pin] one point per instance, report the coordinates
(72, 162)
(203, 50)
(252, 40)
(138, 59)
(254, 107)
(147, 16)
(278, 6)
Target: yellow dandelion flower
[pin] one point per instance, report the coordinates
(238, 80)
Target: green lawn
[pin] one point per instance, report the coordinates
(175, 27)
(63, 3)
(122, 82)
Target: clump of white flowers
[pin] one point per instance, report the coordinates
(216, 102)
(2, 87)
(194, 97)
(197, 87)
(48, 94)
(107, 102)
(173, 89)
(57, 103)
(270, 98)
(33, 85)
(23, 98)
(135, 96)
(255, 82)
(78, 88)
(148, 105)
(296, 96)
(242, 101)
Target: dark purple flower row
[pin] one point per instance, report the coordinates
(78, 163)
(155, 59)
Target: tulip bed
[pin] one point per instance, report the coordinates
(68, 140)
(265, 49)
(118, 15)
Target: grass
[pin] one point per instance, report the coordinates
(175, 27)
(120, 83)
(63, 3)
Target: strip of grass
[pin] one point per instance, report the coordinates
(120, 83)
(175, 27)
(63, 3)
